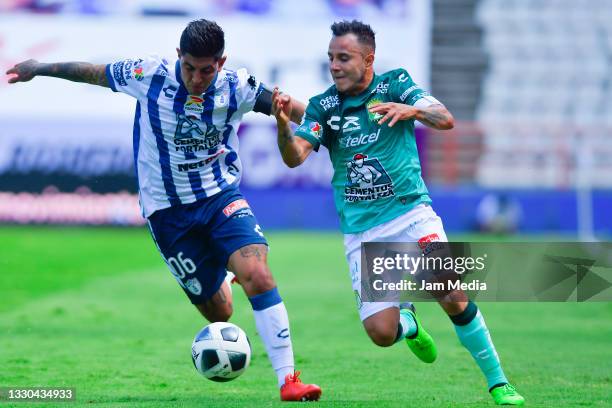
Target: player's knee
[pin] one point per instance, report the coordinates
(261, 280)
(256, 278)
(381, 334)
(382, 338)
(250, 265)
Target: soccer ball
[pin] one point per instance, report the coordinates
(221, 351)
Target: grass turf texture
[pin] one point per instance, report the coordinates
(96, 309)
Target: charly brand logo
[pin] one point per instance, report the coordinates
(349, 123)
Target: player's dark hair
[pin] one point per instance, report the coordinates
(203, 38)
(364, 32)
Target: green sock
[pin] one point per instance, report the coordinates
(474, 335)
(406, 327)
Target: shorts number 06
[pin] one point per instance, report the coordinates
(180, 266)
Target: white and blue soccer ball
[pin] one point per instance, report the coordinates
(221, 351)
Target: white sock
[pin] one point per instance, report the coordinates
(282, 372)
(273, 327)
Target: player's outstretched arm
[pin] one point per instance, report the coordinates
(435, 116)
(72, 71)
(294, 150)
(297, 111)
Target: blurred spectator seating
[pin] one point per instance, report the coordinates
(546, 107)
(212, 8)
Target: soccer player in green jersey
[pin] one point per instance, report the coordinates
(366, 121)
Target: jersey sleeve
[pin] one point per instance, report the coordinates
(404, 90)
(250, 94)
(312, 126)
(133, 75)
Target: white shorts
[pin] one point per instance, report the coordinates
(420, 224)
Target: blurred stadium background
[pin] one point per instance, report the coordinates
(529, 82)
(530, 85)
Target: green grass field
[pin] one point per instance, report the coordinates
(96, 309)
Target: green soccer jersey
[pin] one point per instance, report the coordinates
(377, 173)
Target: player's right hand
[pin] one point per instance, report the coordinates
(23, 72)
(281, 107)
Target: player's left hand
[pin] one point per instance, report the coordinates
(394, 112)
(281, 107)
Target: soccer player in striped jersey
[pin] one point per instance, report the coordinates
(367, 121)
(188, 112)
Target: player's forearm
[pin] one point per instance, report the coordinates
(75, 71)
(297, 112)
(436, 116)
(290, 150)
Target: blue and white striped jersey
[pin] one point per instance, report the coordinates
(185, 146)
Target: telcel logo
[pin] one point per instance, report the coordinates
(360, 140)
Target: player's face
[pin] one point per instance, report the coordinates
(199, 72)
(350, 64)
